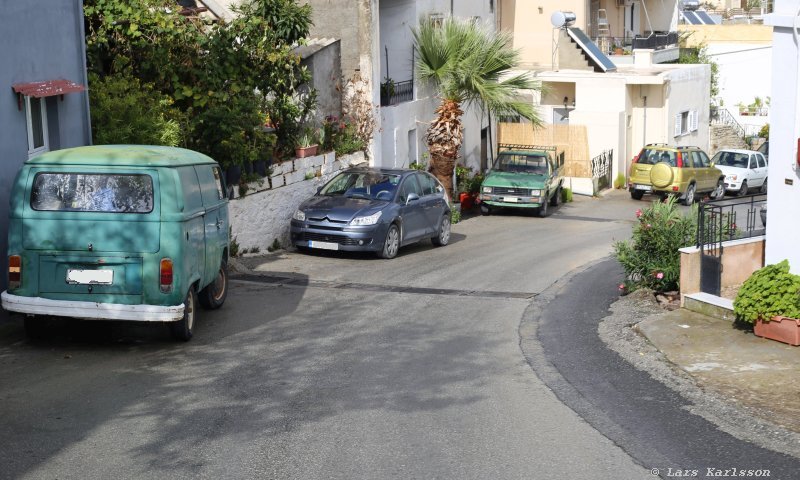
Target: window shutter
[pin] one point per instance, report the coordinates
(694, 120)
(678, 125)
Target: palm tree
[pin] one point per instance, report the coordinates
(469, 63)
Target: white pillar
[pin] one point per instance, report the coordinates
(783, 226)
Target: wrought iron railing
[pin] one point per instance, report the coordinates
(601, 169)
(393, 92)
(730, 219)
(721, 116)
(656, 40)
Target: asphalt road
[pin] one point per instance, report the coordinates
(329, 366)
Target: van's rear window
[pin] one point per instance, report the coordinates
(95, 192)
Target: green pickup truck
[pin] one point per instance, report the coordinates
(523, 176)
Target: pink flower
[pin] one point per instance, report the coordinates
(660, 275)
(648, 225)
(638, 213)
(622, 286)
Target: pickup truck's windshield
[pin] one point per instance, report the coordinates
(512, 162)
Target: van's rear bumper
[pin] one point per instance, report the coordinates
(90, 310)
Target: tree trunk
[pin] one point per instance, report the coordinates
(442, 168)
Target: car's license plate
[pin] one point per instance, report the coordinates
(646, 188)
(323, 245)
(90, 277)
(511, 199)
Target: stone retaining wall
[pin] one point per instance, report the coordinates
(263, 214)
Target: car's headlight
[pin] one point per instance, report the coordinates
(732, 177)
(535, 193)
(487, 189)
(299, 215)
(368, 220)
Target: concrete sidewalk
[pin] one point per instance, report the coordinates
(761, 375)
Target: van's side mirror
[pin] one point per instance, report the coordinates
(412, 197)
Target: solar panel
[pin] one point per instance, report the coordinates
(691, 17)
(702, 15)
(601, 61)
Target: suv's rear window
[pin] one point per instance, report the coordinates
(79, 192)
(651, 156)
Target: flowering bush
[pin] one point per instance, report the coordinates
(651, 258)
(340, 136)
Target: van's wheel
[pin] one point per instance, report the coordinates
(556, 198)
(543, 208)
(637, 194)
(442, 237)
(392, 243)
(183, 329)
(36, 328)
(213, 295)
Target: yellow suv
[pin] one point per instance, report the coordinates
(663, 170)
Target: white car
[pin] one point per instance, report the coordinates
(744, 170)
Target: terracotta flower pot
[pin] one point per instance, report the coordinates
(301, 152)
(781, 329)
(467, 200)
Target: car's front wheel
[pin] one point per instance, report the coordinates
(743, 191)
(443, 237)
(764, 186)
(392, 243)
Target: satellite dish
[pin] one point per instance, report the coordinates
(562, 19)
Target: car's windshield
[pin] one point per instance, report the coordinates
(731, 159)
(369, 185)
(517, 163)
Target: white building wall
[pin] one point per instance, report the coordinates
(682, 94)
(783, 227)
(745, 72)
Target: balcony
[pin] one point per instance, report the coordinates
(393, 93)
(656, 40)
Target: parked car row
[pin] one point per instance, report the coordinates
(663, 170)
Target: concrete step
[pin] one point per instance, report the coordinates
(710, 305)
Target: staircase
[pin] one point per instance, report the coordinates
(725, 136)
(570, 55)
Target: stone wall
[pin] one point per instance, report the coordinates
(724, 136)
(263, 215)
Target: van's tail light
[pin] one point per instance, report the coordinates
(14, 271)
(680, 160)
(166, 275)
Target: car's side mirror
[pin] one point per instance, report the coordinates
(412, 197)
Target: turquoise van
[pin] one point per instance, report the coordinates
(117, 232)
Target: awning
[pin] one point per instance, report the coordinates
(47, 88)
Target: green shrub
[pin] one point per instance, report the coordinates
(455, 216)
(127, 111)
(566, 195)
(651, 258)
(768, 292)
(619, 182)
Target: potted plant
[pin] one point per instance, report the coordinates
(305, 146)
(618, 50)
(770, 300)
(463, 176)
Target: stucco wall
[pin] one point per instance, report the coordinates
(688, 89)
(39, 40)
(326, 75)
(260, 218)
(740, 258)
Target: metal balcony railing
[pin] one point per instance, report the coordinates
(656, 40)
(393, 92)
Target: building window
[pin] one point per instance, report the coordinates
(491, 6)
(36, 118)
(686, 122)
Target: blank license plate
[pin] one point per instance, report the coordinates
(323, 245)
(646, 188)
(90, 277)
(511, 199)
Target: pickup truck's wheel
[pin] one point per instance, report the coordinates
(443, 236)
(637, 194)
(486, 210)
(543, 208)
(213, 295)
(183, 329)
(556, 199)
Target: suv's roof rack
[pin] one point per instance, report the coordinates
(657, 145)
(520, 146)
